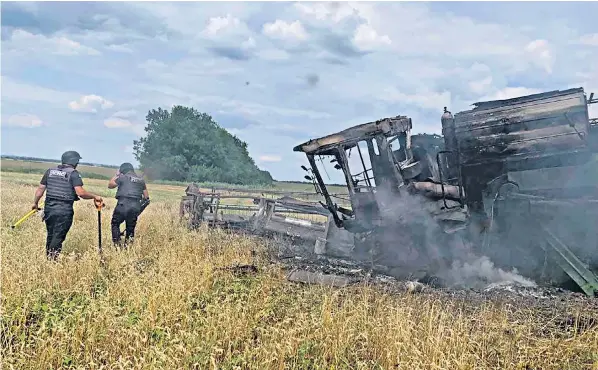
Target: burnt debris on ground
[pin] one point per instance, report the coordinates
(557, 312)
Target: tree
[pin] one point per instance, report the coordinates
(186, 145)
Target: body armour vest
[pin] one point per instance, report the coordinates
(59, 184)
(131, 186)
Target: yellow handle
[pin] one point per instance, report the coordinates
(29, 214)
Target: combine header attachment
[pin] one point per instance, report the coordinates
(300, 222)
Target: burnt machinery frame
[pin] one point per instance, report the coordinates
(485, 148)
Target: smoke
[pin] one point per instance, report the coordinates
(480, 273)
(419, 241)
(412, 224)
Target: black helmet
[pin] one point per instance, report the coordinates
(126, 167)
(71, 157)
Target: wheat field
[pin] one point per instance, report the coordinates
(166, 304)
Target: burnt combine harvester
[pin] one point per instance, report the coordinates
(512, 182)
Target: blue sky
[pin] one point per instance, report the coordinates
(83, 75)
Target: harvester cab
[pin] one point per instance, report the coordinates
(382, 171)
(365, 141)
(378, 162)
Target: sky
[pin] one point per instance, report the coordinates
(82, 76)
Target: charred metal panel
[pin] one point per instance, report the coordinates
(349, 137)
(338, 242)
(563, 228)
(523, 130)
(568, 181)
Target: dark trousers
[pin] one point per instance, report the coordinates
(127, 210)
(58, 224)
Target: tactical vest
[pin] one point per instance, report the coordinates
(131, 186)
(58, 185)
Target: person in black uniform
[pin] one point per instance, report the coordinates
(63, 186)
(131, 190)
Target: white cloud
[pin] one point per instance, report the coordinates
(120, 48)
(23, 41)
(24, 120)
(90, 103)
(120, 123)
(589, 39)
(218, 25)
(416, 30)
(186, 18)
(115, 122)
(152, 66)
(332, 11)
(30, 7)
(270, 158)
(125, 113)
(226, 28)
(228, 33)
(481, 86)
(366, 38)
(248, 44)
(541, 53)
(15, 91)
(284, 30)
(424, 99)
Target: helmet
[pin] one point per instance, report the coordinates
(126, 167)
(71, 157)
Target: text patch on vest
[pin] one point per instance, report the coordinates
(58, 173)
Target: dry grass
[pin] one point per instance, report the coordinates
(16, 165)
(30, 166)
(164, 304)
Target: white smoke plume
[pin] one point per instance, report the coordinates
(480, 273)
(465, 270)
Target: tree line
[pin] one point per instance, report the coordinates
(186, 145)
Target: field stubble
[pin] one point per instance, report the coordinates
(164, 303)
